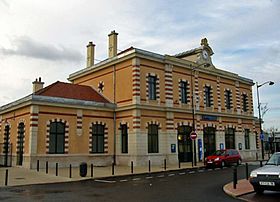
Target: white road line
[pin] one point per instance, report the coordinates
(170, 175)
(105, 181)
(192, 172)
(149, 177)
(136, 179)
(182, 173)
(123, 180)
(160, 176)
(217, 168)
(200, 171)
(209, 169)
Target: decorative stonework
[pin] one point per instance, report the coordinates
(153, 122)
(168, 84)
(219, 94)
(105, 136)
(66, 136)
(136, 80)
(101, 86)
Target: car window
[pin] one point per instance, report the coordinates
(274, 159)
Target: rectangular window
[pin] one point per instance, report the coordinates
(124, 136)
(152, 138)
(183, 89)
(247, 139)
(57, 138)
(97, 138)
(152, 87)
(228, 96)
(244, 100)
(230, 138)
(208, 96)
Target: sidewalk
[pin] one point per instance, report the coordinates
(22, 176)
(243, 187)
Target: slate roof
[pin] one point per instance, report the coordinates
(72, 91)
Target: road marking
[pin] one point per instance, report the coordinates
(200, 171)
(136, 179)
(217, 168)
(123, 180)
(182, 173)
(160, 176)
(149, 177)
(105, 181)
(191, 172)
(209, 169)
(170, 175)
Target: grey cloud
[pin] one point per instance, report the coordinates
(25, 46)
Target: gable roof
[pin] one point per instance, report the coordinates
(72, 91)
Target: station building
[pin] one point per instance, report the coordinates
(134, 106)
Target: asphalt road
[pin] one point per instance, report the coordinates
(183, 185)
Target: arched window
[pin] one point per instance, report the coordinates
(57, 138)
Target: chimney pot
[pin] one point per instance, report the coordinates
(37, 85)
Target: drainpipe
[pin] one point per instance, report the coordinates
(115, 124)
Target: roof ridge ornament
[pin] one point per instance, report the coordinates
(204, 42)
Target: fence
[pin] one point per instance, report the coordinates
(5, 155)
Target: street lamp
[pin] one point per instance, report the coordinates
(260, 118)
(193, 110)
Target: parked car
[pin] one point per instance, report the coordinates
(268, 176)
(221, 158)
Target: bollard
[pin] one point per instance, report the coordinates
(70, 171)
(234, 177)
(247, 171)
(47, 167)
(179, 164)
(261, 164)
(113, 169)
(164, 164)
(56, 169)
(149, 166)
(6, 177)
(91, 170)
(38, 165)
(131, 163)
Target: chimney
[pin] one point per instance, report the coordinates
(37, 85)
(90, 54)
(113, 44)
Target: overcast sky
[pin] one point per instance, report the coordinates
(48, 38)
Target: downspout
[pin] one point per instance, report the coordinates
(115, 124)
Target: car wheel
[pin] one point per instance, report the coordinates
(258, 190)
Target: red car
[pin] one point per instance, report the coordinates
(222, 158)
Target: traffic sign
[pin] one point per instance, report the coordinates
(262, 136)
(193, 135)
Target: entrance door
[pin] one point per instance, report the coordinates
(20, 144)
(209, 141)
(184, 144)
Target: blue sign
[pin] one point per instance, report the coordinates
(199, 142)
(262, 136)
(222, 146)
(209, 118)
(173, 148)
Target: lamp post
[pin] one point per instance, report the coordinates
(193, 110)
(259, 108)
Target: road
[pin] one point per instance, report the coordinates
(183, 185)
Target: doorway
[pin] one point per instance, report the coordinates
(209, 140)
(184, 144)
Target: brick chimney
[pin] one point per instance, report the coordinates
(37, 85)
(113, 44)
(90, 54)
